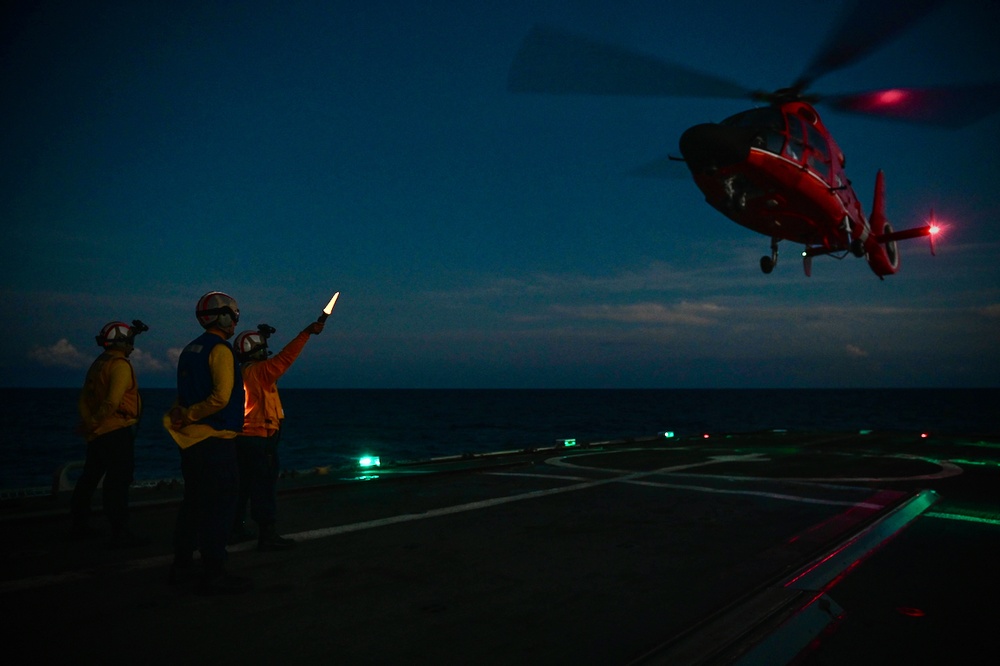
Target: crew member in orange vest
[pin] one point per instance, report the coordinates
(257, 446)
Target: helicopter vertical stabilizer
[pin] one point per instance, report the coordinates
(880, 248)
(877, 218)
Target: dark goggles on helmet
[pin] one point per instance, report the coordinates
(135, 329)
(234, 314)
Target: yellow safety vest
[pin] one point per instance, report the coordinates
(95, 391)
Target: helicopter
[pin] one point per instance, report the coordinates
(775, 168)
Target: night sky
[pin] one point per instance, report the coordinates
(281, 151)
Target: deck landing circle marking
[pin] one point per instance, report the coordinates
(948, 468)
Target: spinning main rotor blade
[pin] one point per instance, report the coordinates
(555, 62)
(863, 28)
(947, 106)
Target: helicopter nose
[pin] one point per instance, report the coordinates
(710, 146)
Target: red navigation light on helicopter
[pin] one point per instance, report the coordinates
(934, 228)
(890, 97)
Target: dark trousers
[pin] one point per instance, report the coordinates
(211, 487)
(111, 455)
(259, 467)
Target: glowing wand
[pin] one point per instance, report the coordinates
(328, 310)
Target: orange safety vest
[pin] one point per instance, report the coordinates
(262, 410)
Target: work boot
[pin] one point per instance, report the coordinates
(271, 540)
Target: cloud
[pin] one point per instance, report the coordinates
(63, 354)
(856, 352)
(60, 355)
(992, 311)
(692, 314)
(147, 362)
(173, 354)
(657, 277)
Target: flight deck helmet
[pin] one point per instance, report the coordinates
(217, 309)
(115, 333)
(250, 345)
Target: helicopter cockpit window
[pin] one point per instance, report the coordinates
(819, 152)
(769, 124)
(795, 148)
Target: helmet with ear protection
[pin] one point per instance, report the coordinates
(217, 309)
(115, 333)
(250, 345)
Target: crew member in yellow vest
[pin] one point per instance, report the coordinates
(204, 422)
(109, 408)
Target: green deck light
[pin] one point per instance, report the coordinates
(971, 518)
(977, 463)
(567, 442)
(667, 434)
(369, 461)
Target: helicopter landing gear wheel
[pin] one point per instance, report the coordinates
(767, 263)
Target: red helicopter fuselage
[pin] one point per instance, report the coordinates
(776, 170)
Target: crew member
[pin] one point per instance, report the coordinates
(109, 408)
(205, 422)
(257, 447)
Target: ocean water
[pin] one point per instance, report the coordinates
(335, 426)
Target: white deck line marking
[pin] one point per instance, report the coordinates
(626, 477)
(721, 491)
(539, 476)
(485, 504)
(758, 493)
(757, 457)
(559, 461)
(948, 469)
(164, 560)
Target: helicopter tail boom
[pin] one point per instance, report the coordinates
(880, 248)
(906, 234)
